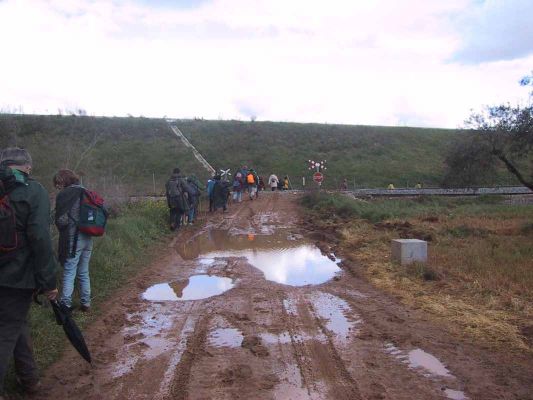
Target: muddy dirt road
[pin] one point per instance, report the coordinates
(247, 307)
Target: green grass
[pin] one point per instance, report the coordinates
(129, 152)
(116, 257)
(325, 205)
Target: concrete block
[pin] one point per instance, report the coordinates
(407, 251)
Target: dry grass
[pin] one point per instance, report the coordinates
(479, 275)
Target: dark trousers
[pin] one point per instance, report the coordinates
(175, 217)
(211, 204)
(15, 338)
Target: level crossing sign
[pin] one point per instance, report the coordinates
(318, 177)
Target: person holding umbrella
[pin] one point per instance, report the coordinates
(26, 262)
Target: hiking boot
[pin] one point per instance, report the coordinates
(30, 387)
(85, 308)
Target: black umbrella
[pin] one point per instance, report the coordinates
(74, 335)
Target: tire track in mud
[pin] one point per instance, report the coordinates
(348, 386)
(316, 354)
(186, 331)
(179, 388)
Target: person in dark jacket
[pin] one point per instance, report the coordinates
(220, 194)
(176, 198)
(194, 191)
(31, 266)
(74, 247)
(210, 186)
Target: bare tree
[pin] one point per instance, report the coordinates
(501, 134)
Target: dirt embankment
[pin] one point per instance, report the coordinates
(267, 334)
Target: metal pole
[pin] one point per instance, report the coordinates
(153, 181)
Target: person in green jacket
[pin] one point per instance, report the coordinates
(30, 266)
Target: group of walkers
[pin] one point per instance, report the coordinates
(183, 198)
(183, 193)
(276, 184)
(27, 262)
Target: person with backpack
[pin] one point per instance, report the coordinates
(244, 172)
(74, 245)
(252, 180)
(220, 194)
(27, 262)
(273, 182)
(194, 189)
(176, 198)
(238, 187)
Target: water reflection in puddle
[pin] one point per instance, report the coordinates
(455, 394)
(282, 256)
(417, 359)
(226, 337)
(195, 288)
(420, 359)
(297, 266)
(428, 365)
(334, 311)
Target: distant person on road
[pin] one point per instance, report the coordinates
(237, 187)
(252, 180)
(176, 198)
(210, 186)
(261, 185)
(273, 182)
(220, 194)
(391, 186)
(286, 183)
(244, 172)
(27, 263)
(344, 184)
(74, 247)
(418, 186)
(194, 191)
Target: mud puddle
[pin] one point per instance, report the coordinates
(196, 287)
(283, 257)
(427, 365)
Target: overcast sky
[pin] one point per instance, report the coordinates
(378, 62)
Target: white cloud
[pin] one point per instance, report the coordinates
(496, 30)
(382, 62)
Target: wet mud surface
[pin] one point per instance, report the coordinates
(247, 307)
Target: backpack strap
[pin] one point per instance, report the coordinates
(77, 232)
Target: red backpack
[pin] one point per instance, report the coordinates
(93, 214)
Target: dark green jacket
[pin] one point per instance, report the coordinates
(34, 266)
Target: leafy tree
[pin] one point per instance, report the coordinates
(498, 135)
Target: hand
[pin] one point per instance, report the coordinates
(51, 294)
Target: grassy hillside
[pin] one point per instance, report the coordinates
(114, 155)
(119, 155)
(365, 155)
